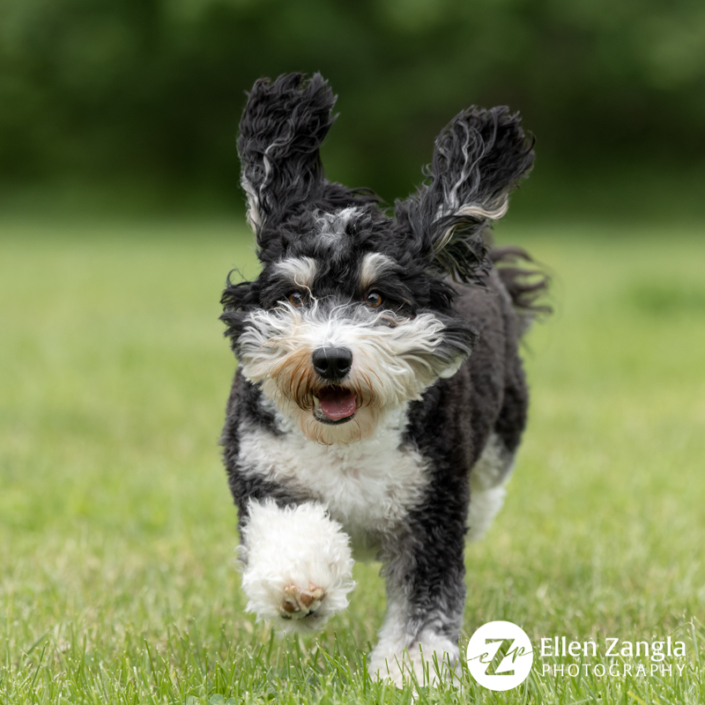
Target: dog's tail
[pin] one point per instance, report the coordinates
(525, 281)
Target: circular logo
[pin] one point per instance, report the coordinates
(500, 655)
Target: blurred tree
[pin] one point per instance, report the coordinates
(98, 89)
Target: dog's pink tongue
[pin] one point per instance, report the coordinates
(337, 404)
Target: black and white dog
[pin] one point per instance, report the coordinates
(379, 399)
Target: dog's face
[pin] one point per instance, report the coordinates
(352, 314)
(346, 328)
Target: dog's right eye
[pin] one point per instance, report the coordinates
(296, 298)
(374, 299)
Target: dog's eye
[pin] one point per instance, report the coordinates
(296, 298)
(374, 299)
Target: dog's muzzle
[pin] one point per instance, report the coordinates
(335, 404)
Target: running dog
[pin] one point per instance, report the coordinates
(379, 399)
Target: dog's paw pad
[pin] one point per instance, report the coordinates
(298, 604)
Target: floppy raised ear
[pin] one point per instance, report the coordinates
(281, 130)
(478, 159)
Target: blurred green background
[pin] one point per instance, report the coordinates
(134, 104)
(117, 529)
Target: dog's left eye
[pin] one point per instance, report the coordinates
(374, 299)
(296, 298)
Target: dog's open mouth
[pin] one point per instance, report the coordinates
(335, 404)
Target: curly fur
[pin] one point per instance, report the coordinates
(403, 438)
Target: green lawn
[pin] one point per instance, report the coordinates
(117, 531)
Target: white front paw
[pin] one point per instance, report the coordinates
(298, 565)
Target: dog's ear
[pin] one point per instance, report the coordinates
(478, 159)
(281, 130)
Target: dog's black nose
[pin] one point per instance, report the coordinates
(332, 363)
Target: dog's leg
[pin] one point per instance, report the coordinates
(297, 564)
(425, 596)
(487, 480)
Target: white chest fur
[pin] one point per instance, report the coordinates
(368, 486)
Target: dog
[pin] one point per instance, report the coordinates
(379, 399)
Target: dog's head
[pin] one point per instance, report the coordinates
(352, 315)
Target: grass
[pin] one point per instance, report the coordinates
(117, 531)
